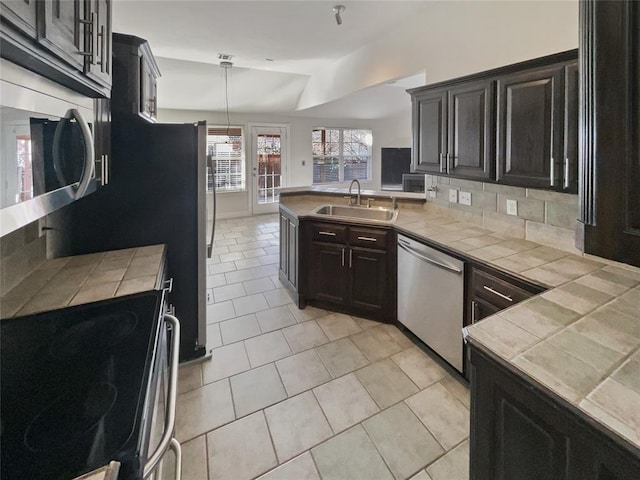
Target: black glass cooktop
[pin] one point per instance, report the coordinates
(72, 386)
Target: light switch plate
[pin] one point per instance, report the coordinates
(453, 195)
(512, 207)
(465, 198)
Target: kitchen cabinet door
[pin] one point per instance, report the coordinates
(470, 150)
(23, 14)
(369, 281)
(430, 123)
(327, 273)
(63, 31)
(292, 247)
(148, 89)
(98, 65)
(570, 157)
(530, 127)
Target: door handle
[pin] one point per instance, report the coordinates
(343, 257)
(566, 172)
(473, 311)
(367, 239)
(495, 292)
(350, 258)
(328, 234)
(429, 260)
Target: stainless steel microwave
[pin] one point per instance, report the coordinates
(47, 149)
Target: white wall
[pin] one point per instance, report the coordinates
(391, 132)
(450, 39)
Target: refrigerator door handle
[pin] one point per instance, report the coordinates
(211, 168)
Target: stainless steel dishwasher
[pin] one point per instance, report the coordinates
(431, 297)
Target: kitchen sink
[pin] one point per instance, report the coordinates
(375, 214)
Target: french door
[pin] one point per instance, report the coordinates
(269, 154)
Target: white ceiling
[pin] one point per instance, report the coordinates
(301, 37)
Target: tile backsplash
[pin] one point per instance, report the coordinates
(20, 253)
(542, 216)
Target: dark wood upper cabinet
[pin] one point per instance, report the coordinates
(530, 127)
(67, 41)
(515, 125)
(470, 132)
(570, 158)
(609, 129)
(62, 31)
(98, 64)
(430, 120)
(22, 14)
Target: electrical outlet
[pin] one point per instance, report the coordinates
(512, 207)
(432, 193)
(304, 163)
(209, 296)
(465, 198)
(453, 195)
(42, 226)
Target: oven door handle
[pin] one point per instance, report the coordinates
(170, 422)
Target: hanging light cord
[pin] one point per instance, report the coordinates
(226, 97)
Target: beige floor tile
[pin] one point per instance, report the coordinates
(399, 337)
(278, 297)
(422, 475)
(264, 271)
(194, 459)
(449, 422)
(350, 455)
(341, 356)
(267, 348)
(459, 389)
(250, 304)
(256, 389)
(375, 343)
(189, 378)
(225, 361)
(402, 440)
(228, 292)
(300, 468)
(338, 325)
(241, 450)
(296, 425)
(453, 465)
(386, 383)
(304, 336)
(239, 328)
(302, 372)
(275, 318)
(218, 312)
(258, 285)
(420, 368)
(238, 276)
(214, 338)
(307, 313)
(345, 402)
(365, 323)
(203, 409)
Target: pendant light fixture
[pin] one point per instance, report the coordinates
(338, 9)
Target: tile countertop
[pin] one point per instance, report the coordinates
(580, 339)
(67, 281)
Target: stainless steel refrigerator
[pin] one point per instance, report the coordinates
(157, 193)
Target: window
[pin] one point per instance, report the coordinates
(226, 147)
(341, 154)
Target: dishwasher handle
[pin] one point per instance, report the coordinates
(427, 259)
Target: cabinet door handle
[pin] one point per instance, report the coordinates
(566, 172)
(350, 258)
(473, 311)
(441, 161)
(447, 162)
(343, 257)
(495, 292)
(102, 61)
(89, 24)
(328, 234)
(367, 239)
(553, 173)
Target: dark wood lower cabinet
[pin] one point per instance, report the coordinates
(349, 269)
(288, 271)
(520, 432)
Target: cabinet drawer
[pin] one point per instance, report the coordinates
(365, 237)
(326, 232)
(497, 291)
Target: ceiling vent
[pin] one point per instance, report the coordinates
(224, 56)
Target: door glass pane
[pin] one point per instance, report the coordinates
(269, 172)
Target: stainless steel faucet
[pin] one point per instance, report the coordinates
(355, 180)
